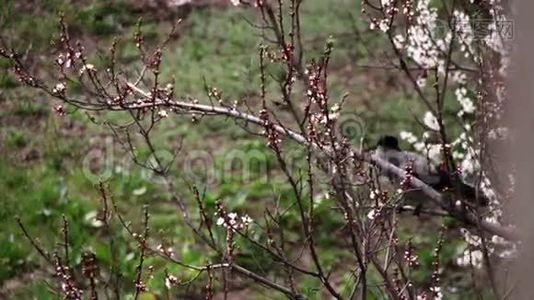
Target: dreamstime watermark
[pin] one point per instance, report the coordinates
(237, 165)
(484, 28)
(480, 28)
(351, 126)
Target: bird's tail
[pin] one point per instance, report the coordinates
(472, 194)
(465, 190)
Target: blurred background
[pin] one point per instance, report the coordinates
(50, 165)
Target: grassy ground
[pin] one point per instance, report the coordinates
(42, 178)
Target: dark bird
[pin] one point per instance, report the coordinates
(425, 170)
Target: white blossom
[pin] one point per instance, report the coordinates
(233, 221)
(495, 40)
(384, 25)
(463, 30)
(398, 41)
(421, 82)
(431, 121)
(59, 88)
(170, 281)
(433, 152)
(371, 215)
(466, 103)
(372, 195)
(408, 137)
(436, 290)
(246, 219)
(92, 218)
(163, 113)
(87, 67)
(469, 257)
(419, 146)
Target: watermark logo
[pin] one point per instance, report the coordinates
(484, 28)
(351, 126)
(238, 165)
(478, 29)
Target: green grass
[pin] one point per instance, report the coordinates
(218, 51)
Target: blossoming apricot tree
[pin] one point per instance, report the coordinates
(454, 48)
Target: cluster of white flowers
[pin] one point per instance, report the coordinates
(463, 32)
(427, 42)
(383, 24)
(470, 257)
(421, 81)
(499, 34)
(163, 113)
(233, 221)
(378, 198)
(170, 281)
(373, 212)
(371, 215)
(87, 67)
(473, 255)
(431, 121)
(408, 137)
(469, 164)
(434, 152)
(422, 43)
(169, 251)
(92, 219)
(334, 111)
(467, 104)
(59, 88)
(431, 150)
(436, 293)
(318, 119)
(458, 77)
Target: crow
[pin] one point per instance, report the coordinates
(387, 149)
